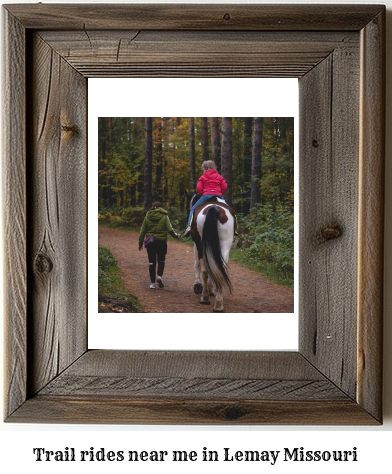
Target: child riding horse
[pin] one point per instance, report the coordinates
(210, 184)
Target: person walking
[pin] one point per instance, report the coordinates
(156, 224)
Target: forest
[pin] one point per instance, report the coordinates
(147, 159)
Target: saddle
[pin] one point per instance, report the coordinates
(215, 199)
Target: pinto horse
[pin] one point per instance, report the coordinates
(212, 231)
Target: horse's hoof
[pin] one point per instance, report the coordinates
(205, 302)
(217, 311)
(198, 288)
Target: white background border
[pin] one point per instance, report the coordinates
(186, 98)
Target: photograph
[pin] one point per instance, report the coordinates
(199, 208)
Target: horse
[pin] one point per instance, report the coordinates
(212, 231)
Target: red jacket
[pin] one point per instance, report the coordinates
(211, 182)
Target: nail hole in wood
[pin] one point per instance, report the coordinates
(227, 16)
(315, 143)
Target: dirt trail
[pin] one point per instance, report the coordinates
(252, 292)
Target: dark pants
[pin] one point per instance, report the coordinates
(157, 249)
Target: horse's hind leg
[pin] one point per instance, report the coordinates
(210, 287)
(197, 287)
(218, 307)
(205, 297)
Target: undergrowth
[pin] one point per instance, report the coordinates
(109, 279)
(266, 242)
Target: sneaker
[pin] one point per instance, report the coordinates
(152, 286)
(187, 231)
(160, 282)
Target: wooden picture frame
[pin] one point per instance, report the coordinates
(338, 54)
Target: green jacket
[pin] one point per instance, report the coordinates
(157, 216)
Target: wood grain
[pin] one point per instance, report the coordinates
(193, 387)
(195, 53)
(57, 215)
(193, 17)
(14, 212)
(371, 216)
(208, 364)
(103, 410)
(329, 98)
(206, 374)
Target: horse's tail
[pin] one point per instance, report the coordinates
(216, 266)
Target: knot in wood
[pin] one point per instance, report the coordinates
(43, 264)
(232, 412)
(227, 16)
(69, 128)
(328, 233)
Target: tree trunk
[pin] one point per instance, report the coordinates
(227, 158)
(193, 153)
(256, 161)
(247, 149)
(165, 135)
(286, 124)
(204, 138)
(148, 165)
(110, 180)
(133, 155)
(138, 126)
(215, 141)
(158, 190)
(271, 131)
(110, 126)
(105, 188)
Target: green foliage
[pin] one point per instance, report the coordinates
(266, 268)
(277, 180)
(241, 198)
(109, 280)
(122, 216)
(108, 274)
(178, 219)
(132, 217)
(267, 234)
(121, 159)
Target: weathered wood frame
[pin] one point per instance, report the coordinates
(337, 52)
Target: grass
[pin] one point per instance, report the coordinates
(264, 267)
(109, 279)
(108, 225)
